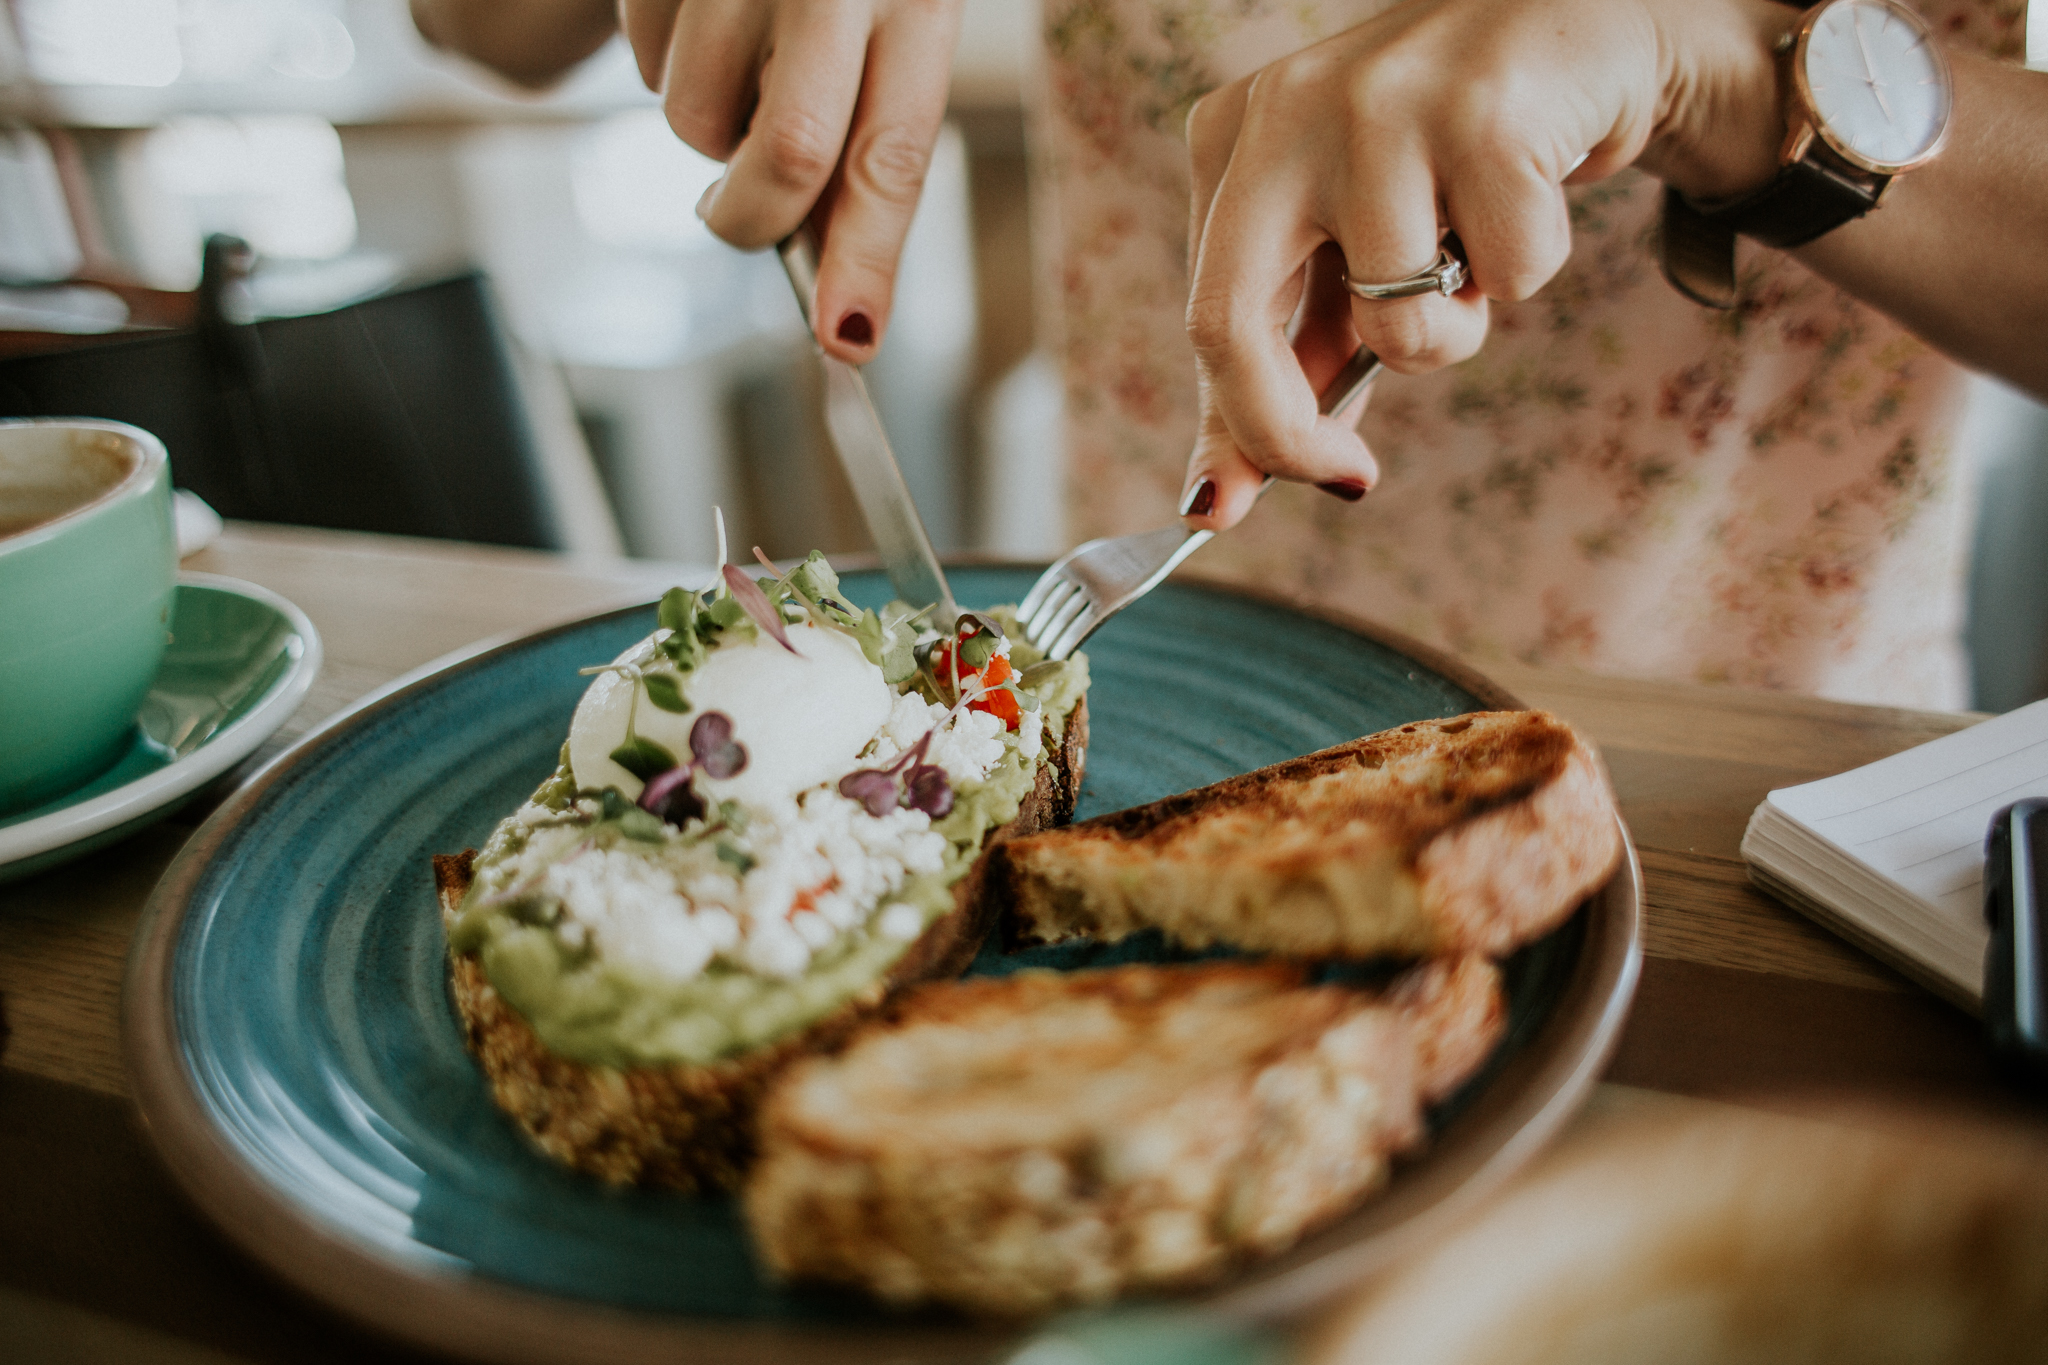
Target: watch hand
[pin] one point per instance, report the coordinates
(1876, 86)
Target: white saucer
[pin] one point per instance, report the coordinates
(240, 661)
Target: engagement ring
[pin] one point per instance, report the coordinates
(1445, 275)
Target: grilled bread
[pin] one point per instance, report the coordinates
(686, 1127)
(1472, 834)
(1012, 1144)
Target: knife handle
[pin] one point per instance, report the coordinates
(2016, 961)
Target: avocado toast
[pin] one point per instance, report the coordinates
(769, 815)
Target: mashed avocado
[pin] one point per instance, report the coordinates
(661, 996)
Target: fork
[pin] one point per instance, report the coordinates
(1094, 581)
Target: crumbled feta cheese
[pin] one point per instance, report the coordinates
(773, 949)
(969, 747)
(1031, 734)
(628, 907)
(812, 929)
(908, 721)
(900, 921)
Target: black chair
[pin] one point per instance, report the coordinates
(398, 414)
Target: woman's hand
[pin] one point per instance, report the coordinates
(1356, 156)
(825, 109)
(822, 109)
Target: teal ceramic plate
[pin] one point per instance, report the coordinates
(294, 1051)
(239, 663)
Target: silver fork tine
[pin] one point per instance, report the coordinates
(1058, 592)
(1047, 581)
(1070, 639)
(1095, 581)
(1058, 621)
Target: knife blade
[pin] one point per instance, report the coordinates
(863, 447)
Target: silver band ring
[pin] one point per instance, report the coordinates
(1445, 275)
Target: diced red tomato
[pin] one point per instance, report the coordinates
(1000, 704)
(807, 899)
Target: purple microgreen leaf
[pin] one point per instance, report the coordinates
(755, 603)
(873, 788)
(987, 625)
(669, 796)
(713, 730)
(929, 791)
(723, 761)
(716, 753)
(914, 754)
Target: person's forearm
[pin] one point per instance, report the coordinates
(1958, 250)
(532, 42)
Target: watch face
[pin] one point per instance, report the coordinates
(1877, 82)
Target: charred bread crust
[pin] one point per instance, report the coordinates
(1475, 833)
(691, 1128)
(1016, 1144)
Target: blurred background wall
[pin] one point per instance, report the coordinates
(663, 372)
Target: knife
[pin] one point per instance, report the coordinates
(856, 431)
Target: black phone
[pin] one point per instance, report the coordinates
(2016, 962)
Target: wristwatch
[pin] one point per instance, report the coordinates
(1867, 95)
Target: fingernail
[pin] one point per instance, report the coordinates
(709, 198)
(856, 329)
(1351, 490)
(1200, 501)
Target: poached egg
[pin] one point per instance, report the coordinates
(803, 717)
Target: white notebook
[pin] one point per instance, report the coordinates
(1891, 855)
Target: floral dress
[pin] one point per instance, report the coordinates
(1620, 481)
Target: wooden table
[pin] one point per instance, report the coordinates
(100, 1260)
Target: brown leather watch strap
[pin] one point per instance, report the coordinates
(1802, 202)
(1698, 254)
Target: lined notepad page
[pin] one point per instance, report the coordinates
(1919, 818)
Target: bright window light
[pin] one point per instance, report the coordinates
(636, 185)
(313, 46)
(275, 181)
(158, 42)
(101, 42)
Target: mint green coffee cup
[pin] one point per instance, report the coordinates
(88, 565)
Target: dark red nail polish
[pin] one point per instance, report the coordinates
(1351, 490)
(856, 329)
(1202, 501)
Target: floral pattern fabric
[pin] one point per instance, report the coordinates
(1620, 481)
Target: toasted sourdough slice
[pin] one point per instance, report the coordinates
(691, 1128)
(1012, 1144)
(1472, 834)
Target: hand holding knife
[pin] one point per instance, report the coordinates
(863, 448)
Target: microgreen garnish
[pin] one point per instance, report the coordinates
(643, 758)
(717, 753)
(755, 603)
(664, 691)
(923, 787)
(713, 752)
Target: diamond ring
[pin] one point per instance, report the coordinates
(1445, 275)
